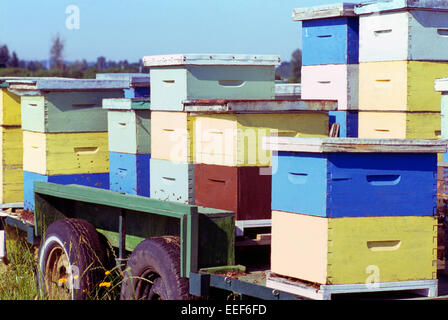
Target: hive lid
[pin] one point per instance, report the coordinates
(354, 145)
(343, 9)
(135, 79)
(53, 84)
(210, 59)
(257, 106)
(441, 85)
(127, 104)
(399, 5)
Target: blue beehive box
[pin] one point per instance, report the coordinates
(348, 123)
(330, 34)
(129, 173)
(346, 177)
(97, 180)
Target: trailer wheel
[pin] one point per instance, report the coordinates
(72, 259)
(153, 272)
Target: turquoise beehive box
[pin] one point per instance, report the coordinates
(176, 78)
(129, 125)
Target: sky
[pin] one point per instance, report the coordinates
(131, 29)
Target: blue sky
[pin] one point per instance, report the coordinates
(120, 29)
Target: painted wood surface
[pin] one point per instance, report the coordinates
(288, 91)
(11, 170)
(353, 250)
(400, 125)
(404, 35)
(399, 5)
(354, 145)
(172, 181)
(65, 153)
(355, 184)
(10, 114)
(129, 131)
(236, 139)
(243, 190)
(66, 111)
(348, 123)
(342, 9)
(172, 85)
(172, 136)
(97, 180)
(129, 173)
(332, 82)
(330, 41)
(210, 60)
(400, 85)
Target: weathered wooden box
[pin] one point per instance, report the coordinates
(129, 125)
(139, 85)
(65, 105)
(175, 78)
(399, 125)
(329, 34)
(243, 190)
(353, 250)
(172, 181)
(332, 82)
(396, 30)
(11, 171)
(97, 180)
(65, 153)
(350, 177)
(400, 85)
(129, 173)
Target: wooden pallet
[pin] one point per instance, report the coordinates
(426, 288)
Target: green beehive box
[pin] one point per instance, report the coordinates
(69, 105)
(176, 78)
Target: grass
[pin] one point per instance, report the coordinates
(18, 276)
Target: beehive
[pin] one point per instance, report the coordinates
(139, 85)
(348, 250)
(175, 78)
(400, 85)
(344, 177)
(243, 190)
(10, 108)
(329, 34)
(129, 173)
(348, 122)
(403, 30)
(11, 170)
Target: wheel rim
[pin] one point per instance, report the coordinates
(149, 286)
(57, 278)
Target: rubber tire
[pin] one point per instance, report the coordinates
(84, 248)
(162, 255)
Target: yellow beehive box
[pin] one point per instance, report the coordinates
(11, 175)
(400, 85)
(399, 125)
(236, 139)
(172, 136)
(10, 106)
(354, 250)
(65, 153)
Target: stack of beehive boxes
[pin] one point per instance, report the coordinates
(11, 151)
(210, 155)
(65, 131)
(347, 211)
(330, 68)
(403, 49)
(129, 128)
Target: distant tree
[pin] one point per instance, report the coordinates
(32, 66)
(57, 52)
(22, 64)
(111, 64)
(14, 61)
(84, 65)
(4, 56)
(296, 66)
(101, 63)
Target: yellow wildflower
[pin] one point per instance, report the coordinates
(107, 273)
(62, 280)
(105, 284)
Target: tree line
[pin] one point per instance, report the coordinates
(12, 65)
